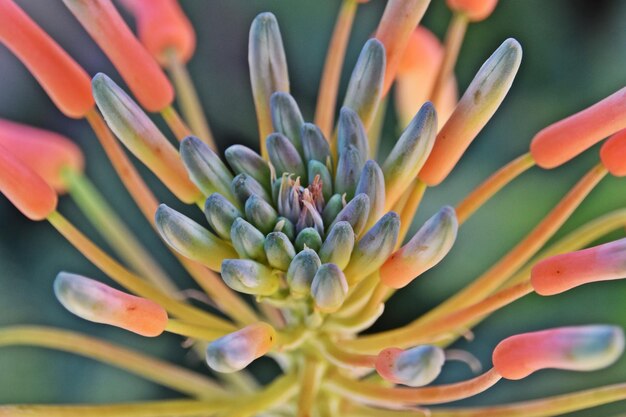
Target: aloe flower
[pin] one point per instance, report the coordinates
(306, 239)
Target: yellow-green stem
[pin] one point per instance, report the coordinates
(416, 193)
(311, 378)
(175, 123)
(277, 393)
(195, 331)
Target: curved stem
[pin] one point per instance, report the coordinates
(416, 193)
(196, 332)
(175, 123)
(310, 381)
(277, 393)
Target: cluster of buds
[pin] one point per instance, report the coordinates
(313, 226)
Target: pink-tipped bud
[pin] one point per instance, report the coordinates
(414, 367)
(140, 71)
(560, 273)
(237, 350)
(24, 188)
(47, 153)
(613, 154)
(67, 84)
(163, 26)
(475, 10)
(567, 138)
(581, 348)
(94, 301)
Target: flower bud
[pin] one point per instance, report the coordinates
(613, 154)
(249, 277)
(414, 367)
(28, 192)
(162, 26)
(475, 10)
(338, 245)
(268, 68)
(355, 213)
(67, 84)
(220, 214)
(560, 273)
(260, 213)
(332, 209)
(284, 156)
(279, 250)
(349, 167)
(314, 144)
(287, 119)
(308, 237)
(373, 249)
(351, 132)
(366, 82)
(410, 153)
(427, 248)
(284, 225)
(99, 303)
(244, 160)
(329, 288)
(479, 102)
(372, 183)
(317, 168)
(567, 138)
(582, 348)
(45, 152)
(247, 240)
(141, 136)
(235, 351)
(301, 272)
(139, 70)
(190, 239)
(243, 186)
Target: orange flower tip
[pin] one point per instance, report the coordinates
(479, 102)
(237, 350)
(28, 192)
(613, 154)
(99, 303)
(47, 153)
(139, 70)
(163, 27)
(581, 348)
(475, 10)
(61, 77)
(560, 273)
(567, 138)
(414, 367)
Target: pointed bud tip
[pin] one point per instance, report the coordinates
(237, 350)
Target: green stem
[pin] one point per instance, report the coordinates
(277, 393)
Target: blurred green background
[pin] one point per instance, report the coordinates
(574, 55)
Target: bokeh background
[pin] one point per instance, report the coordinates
(574, 55)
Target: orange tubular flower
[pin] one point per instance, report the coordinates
(67, 84)
(613, 154)
(24, 188)
(140, 71)
(47, 153)
(475, 10)
(162, 26)
(565, 139)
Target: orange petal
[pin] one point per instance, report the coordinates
(67, 84)
(613, 154)
(475, 10)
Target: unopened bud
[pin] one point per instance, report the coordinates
(287, 119)
(244, 160)
(220, 213)
(329, 288)
(338, 245)
(355, 213)
(243, 186)
(314, 144)
(475, 10)
(414, 367)
(317, 168)
(235, 351)
(301, 272)
(249, 277)
(308, 237)
(247, 240)
(260, 213)
(279, 250)
(372, 183)
(284, 156)
(349, 169)
(613, 154)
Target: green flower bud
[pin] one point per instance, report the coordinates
(350, 131)
(249, 277)
(247, 240)
(244, 160)
(329, 288)
(310, 238)
(332, 209)
(279, 250)
(348, 170)
(355, 213)
(284, 225)
(414, 367)
(220, 214)
(284, 156)
(260, 213)
(314, 143)
(287, 119)
(372, 183)
(317, 168)
(338, 245)
(243, 186)
(301, 272)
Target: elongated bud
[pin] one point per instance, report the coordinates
(141, 136)
(567, 138)
(479, 102)
(314, 144)
(237, 350)
(249, 277)
(285, 225)
(45, 152)
(414, 367)
(366, 82)
(338, 245)
(163, 27)
(284, 156)
(243, 186)
(475, 10)
(349, 169)
(372, 183)
(582, 348)
(99, 303)
(410, 153)
(244, 160)
(355, 213)
(268, 68)
(302, 271)
(139, 70)
(247, 240)
(351, 132)
(205, 168)
(287, 119)
(613, 154)
(279, 250)
(560, 273)
(316, 168)
(332, 209)
(373, 249)
(427, 248)
(261, 213)
(308, 237)
(329, 288)
(28, 192)
(67, 84)
(190, 239)
(220, 213)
